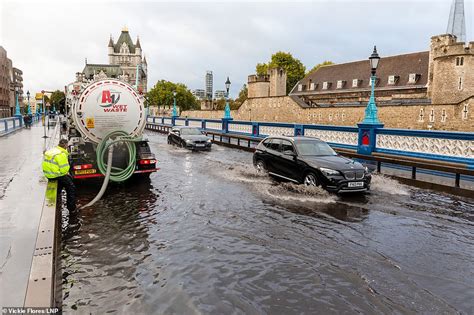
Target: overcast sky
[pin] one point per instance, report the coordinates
(49, 40)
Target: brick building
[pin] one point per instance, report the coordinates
(5, 81)
(11, 83)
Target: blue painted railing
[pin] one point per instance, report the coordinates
(456, 147)
(11, 124)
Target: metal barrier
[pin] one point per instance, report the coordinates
(11, 124)
(446, 146)
(242, 139)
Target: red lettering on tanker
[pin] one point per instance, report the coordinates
(106, 97)
(116, 109)
(109, 98)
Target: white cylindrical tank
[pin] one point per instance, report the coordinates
(109, 105)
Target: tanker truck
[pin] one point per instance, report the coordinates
(101, 112)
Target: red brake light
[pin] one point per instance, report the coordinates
(82, 167)
(146, 162)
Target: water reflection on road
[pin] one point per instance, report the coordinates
(206, 234)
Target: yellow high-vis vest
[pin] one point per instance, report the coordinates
(55, 162)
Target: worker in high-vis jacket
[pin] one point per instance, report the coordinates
(56, 167)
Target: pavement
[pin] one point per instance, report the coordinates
(22, 192)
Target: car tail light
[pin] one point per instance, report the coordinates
(147, 162)
(82, 167)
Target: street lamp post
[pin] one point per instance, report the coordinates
(28, 105)
(368, 127)
(371, 109)
(175, 110)
(17, 105)
(44, 114)
(227, 117)
(227, 108)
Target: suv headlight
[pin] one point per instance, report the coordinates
(328, 171)
(209, 141)
(189, 141)
(366, 169)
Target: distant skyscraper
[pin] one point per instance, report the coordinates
(456, 24)
(209, 82)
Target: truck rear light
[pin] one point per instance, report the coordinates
(82, 167)
(147, 162)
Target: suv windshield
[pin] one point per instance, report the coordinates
(190, 132)
(314, 147)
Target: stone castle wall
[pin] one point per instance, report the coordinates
(450, 82)
(284, 109)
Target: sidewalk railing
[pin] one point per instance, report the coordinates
(11, 124)
(455, 147)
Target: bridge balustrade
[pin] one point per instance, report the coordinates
(447, 146)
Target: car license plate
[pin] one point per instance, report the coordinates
(355, 184)
(83, 172)
(200, 144)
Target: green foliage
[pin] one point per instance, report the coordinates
(319, 65)
(57, 99)
(261, 68)
(233, 104)
(162, 95)
(295, 70)
(241, 98)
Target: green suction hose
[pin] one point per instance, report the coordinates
(117, 174)
(112, 173)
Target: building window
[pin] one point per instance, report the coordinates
(311, 86)
(459, 61)
(465, 112)
(393, 79)
(460, 84)
(343, 115)
(320, 116)
(341, 84)
(355, 83)
(432, 116)
(443, 115)
(300, 87)
(326, 85)
(421, 117)
(330, 117)
(413, 78)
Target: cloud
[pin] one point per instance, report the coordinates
(49, 40)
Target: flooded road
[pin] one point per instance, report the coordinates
(206, 234)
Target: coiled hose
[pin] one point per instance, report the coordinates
(113, 173)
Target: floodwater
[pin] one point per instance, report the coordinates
(208, 235)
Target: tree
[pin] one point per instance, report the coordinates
(319, 65)
(242, 97)
(57, 100)
(261, 68)
(162, 95)
(295, 70)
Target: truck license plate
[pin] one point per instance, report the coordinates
(355, 184)
(83, 172)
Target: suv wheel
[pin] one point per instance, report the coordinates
(260, 166)
(311, 180)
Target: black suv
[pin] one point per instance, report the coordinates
(310, 161)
